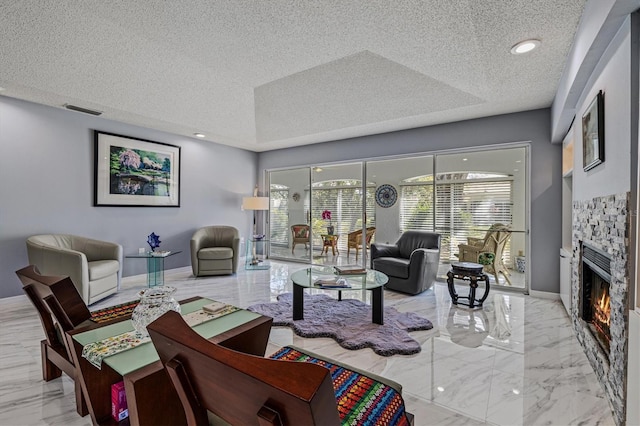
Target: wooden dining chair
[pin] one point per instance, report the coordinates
(295, 388)
(61, 309)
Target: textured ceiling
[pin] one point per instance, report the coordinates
(262, 75)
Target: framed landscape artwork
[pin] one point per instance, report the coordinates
(593, 133)
(135, 172)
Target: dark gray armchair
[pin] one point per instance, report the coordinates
(411, 263)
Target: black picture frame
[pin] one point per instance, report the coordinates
(593, 133)
(132, 172)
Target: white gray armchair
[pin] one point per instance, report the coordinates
(94, 266)
(215, 250)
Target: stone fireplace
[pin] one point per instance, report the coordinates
(600, 291)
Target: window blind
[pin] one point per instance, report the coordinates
(345, 205)
(416, 207)
(468, 209)
(279, 232)
(464, 208)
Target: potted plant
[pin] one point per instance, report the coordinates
(326, 215)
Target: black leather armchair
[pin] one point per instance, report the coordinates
(411, 263)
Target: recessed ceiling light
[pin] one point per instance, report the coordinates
(440, 389)
(518, 161)
(464, 159)
(198, 135)
(525, 46)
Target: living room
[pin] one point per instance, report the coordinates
(49, 145)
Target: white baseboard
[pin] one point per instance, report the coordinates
(633, 388)
(13, 299)
(544, 295)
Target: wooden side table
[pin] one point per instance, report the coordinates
(330, 241)
(471, 272)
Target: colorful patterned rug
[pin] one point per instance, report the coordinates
(348, 322)
(112, 312)
(361, 400)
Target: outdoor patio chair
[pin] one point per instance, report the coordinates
(488, 251)
(355, 240)
(300, 235)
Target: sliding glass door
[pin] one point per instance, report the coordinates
(329, 214)
(477, 193)
(320, 214)
(463, 197)
(338, 212)
(289, 216)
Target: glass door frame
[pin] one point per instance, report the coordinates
(268, 180)
(363, 187)
(470, 150)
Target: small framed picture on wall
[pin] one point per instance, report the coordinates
(593, 133)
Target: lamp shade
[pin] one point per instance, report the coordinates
(255, 203)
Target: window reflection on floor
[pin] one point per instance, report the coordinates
(319, 258)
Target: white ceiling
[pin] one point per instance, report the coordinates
(263, 75)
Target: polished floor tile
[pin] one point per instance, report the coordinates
(514, 362)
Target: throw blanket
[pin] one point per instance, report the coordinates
(361, 400)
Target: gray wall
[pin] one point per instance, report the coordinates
(46, 186)
(546, 171)
(613, 77)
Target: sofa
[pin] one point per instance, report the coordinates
(215, 250)
(411, 263)
(94, 266)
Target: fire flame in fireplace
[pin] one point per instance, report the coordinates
(602, 314)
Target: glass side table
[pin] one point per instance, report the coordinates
(257, 254)
(155, 265)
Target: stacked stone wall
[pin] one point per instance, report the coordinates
(603, 223)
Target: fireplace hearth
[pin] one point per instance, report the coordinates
(596, 307)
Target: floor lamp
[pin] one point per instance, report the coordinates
(255, 203)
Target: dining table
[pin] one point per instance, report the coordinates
(151, 398)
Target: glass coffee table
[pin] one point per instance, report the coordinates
(155, 265)
(371, 280)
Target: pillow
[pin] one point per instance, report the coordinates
(486, 258)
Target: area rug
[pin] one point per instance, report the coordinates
(348, 322)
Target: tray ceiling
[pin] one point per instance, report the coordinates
(281, 73)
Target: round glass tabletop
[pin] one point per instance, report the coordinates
(307, 277)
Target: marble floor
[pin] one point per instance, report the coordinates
(514, 362)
